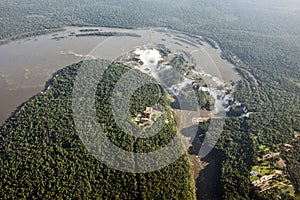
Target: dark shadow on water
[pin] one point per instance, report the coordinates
(208, 183)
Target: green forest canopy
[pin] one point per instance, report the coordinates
(262, 34)
(42, 156)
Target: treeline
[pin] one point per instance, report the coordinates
(107, 34)
(42, 155)
(273, 101)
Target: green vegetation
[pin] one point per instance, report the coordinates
(204, 99)
(293, 158)
(259, 37)
(107, 34)
(42, 156)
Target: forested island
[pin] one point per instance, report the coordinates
(93, 33)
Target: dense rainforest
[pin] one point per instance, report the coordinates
(42, 155)
(262, 38)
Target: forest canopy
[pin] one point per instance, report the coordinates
(42, 155)
(260, 37)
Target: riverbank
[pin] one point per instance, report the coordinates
(27, 63)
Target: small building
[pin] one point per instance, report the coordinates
(138, 118)
(271, 155)
(254, 173)
(288, 146)
(148, 110)
(197, 120)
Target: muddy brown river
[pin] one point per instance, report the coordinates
(25, 65)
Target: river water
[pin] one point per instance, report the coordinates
(25, 65)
